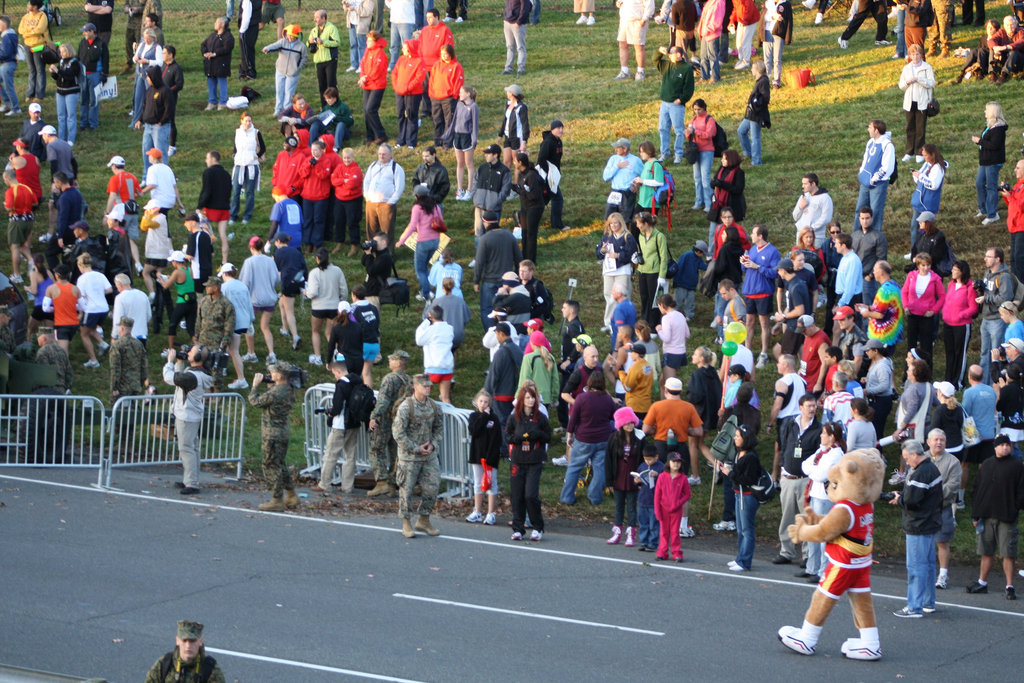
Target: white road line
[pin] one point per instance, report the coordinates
(307, 665)
(525, 547)
(532, 615)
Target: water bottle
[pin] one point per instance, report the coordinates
(670, 439)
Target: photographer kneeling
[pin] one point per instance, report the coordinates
(190, 383)
(276, 404)
(379, 263)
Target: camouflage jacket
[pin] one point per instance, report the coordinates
(6, 339)
(140, 8)
(53, 354)
(180, 673)
(391, 387)
(129, 367)
(216, 322)
(276, 404)
(415, 424)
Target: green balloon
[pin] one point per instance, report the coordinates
(729, 348)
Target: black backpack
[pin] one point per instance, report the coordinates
(721, 139)
(359, 406)
(395, 292)
(765, 489)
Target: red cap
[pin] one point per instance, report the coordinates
(842, 312)
(155, 153)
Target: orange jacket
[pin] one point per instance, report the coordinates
(409, 72)
(446, 80)
(347, 180)
(374, 67)
(432, 38)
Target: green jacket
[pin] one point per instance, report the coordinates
(676, 79)
(652, 177)
(331, 42)
(547, 381)
(655, 252)
(341, 112)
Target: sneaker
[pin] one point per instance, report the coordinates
(516, 536)
(472, 264)
(152, 297)
(582, 20)
(138, 268)
(590, 20)
(809, 4)
(182, 326)
(976, 588)
(928, 610)
(762, 360)
(171, 151)
(792, 637)
(419, 297)
(818, 18)
(489, 519)
(843, 44)
(907, 613)
(687, 532)
(231, 221)
(724, 526)
(1011, 593)
(104, 347)
(536, 535)
(990, 220)
(897, 478)
(238, 384)
(693, 481)
(941, 582)
(979, 214)
(314, 359)
(163, 354)
(284, 333)
(677, 159)
(906, 257)
(855, 648)
(1020, 573)
(560, 462)
(295, 343)
(47, 237)
(506, 72)
(622, 76)
(271, 358)
(475, 517)
(919, 159)
(3, 107)
(250, 358)
(16, 279)
(91, 364)
(883, 43)
(640, 75)
(350, 69)
(733, 567)
(661, 158)
(907, 157)
(459, 20)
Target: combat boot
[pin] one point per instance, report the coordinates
(275, 504)
(291, 500)
(424, 525)
(382, 488)
(407, 529)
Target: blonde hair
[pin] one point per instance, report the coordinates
(800, 238)
(614, 216)
(545, 356)
(994, 114)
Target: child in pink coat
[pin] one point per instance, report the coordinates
(670, 494)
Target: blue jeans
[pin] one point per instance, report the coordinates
(582, 453)
(356, 47)
(720, 305)
(992, 332)
(920, 571)
(154, 135)
(90, 104)
(340, 133)
(672, 116)
(816, 551)
(238, 183)
(901, 41)
(649, 531)
(487, 292)
(36, 76)
(67, 117)
(217, 90)
(867, 295)
(728, 500)
(773, 57)
(710, 67)
(702, 180)
(985, 184)
(535, 13)
(750, 140)
(314, 218)
(7, 91)
(424, 250)
(285, 86)
(139, 98)
(399, 34)
(746, 515)
(875, 198)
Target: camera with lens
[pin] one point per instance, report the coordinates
(1005, 187)
(886, 496)
(297, 377)
(368, 244)
(979, 286)
(312, 48)
(214, 362)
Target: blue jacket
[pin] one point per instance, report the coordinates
(8, 46)
(688, 270)
(761, 280)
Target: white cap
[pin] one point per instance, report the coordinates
(177, 256)
(48, 130)
(116, 212)
(226, 268)
(805, 321)
(945, 388)
(344, 307)
(35, 106)
(116, 160)
(151, 204)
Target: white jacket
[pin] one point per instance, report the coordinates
(436, 340)
(921, 90)
(816, 215)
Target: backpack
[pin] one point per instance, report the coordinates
(405, 393)
(723, 447)
(543, 307)
(1018, 290)
(206, 666)
(765, 489)
(359, 406)
(895, 174)
(721, 140)
(395, 291)
(666, 192)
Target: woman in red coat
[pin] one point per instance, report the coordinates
(373, 80)
(407, 81)
(446, 79)
(347, 180)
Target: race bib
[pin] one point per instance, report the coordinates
(615, 197)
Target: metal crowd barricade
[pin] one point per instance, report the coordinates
(318, 428)
(141, 432)
(41, 430)
(454, 454)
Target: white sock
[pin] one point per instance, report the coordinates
(982, 583)
(685, 523)
(943, 573)
(869, 636)
(640, 70)
(810, 633)
(624, 69)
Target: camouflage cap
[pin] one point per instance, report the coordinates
(399, 355)
(214, 281)
(283, 367)
(190, 630)
(126, 322)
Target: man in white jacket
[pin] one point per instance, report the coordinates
(436, 337)
(813, 210)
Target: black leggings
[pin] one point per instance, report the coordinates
(183, 311)
(647, 283)
(625, 507)
(956, 338)
(525, 484)
(347, 214)
(921, 332)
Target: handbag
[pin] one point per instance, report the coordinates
(673, 266)
(690, 151)
(395, 291)
(969, 432)
(437, 222)
(932, 109)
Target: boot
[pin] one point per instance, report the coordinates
(407, 529)
(630, 536)
(616, 533)
(275, 504)
(424, 525)
(380, 489)
(291, 501)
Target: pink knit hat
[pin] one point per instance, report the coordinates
(537, 338)
(624, 416)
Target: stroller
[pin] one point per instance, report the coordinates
(53, 16)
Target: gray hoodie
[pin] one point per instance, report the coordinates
(292, 55)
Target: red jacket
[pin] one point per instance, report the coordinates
(720, 239)
(409, 72)
(347, 180)
(283, 176)
(446, 79)
(431, 40)
(744, 12)
(1015, 208)
(670, 494)
(374, 67)
(316, 178)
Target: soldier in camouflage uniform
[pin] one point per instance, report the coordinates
(188, 663)
(383, 449)
(417, 429)
(50, 353)
(215, 324)
(6, 333)
(129, 363)
(276, 405)
(136, 9)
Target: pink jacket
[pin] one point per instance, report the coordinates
(711, 19)
(670, 494)
(934, 295)
(960, 304)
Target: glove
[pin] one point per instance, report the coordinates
(663, 284)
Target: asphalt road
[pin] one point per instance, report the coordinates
(95, 581)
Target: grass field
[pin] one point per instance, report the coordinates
(821, 128)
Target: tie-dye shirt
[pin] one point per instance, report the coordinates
(889, 328)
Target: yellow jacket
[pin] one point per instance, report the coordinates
(638, 383)
(34, 29)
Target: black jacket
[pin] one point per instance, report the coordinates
(746, 470)
(790, 438)
(727, 264)
(484, 438)
(999, 490)
(221, 44)
(758, 101)
(705, 393)
(616, 457)
(531, 190)
(66, 77)
(528, 438)
(200, 247)
(174, 78)
(379, 265)
(158, 107)
(93, 55)
(992, 147)
(921, 499)
(503, 373)
(736, 201)
(434, 176)
(342, 390)
(368, 317)
(216, 188)
(550, 149)
(348, 339)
